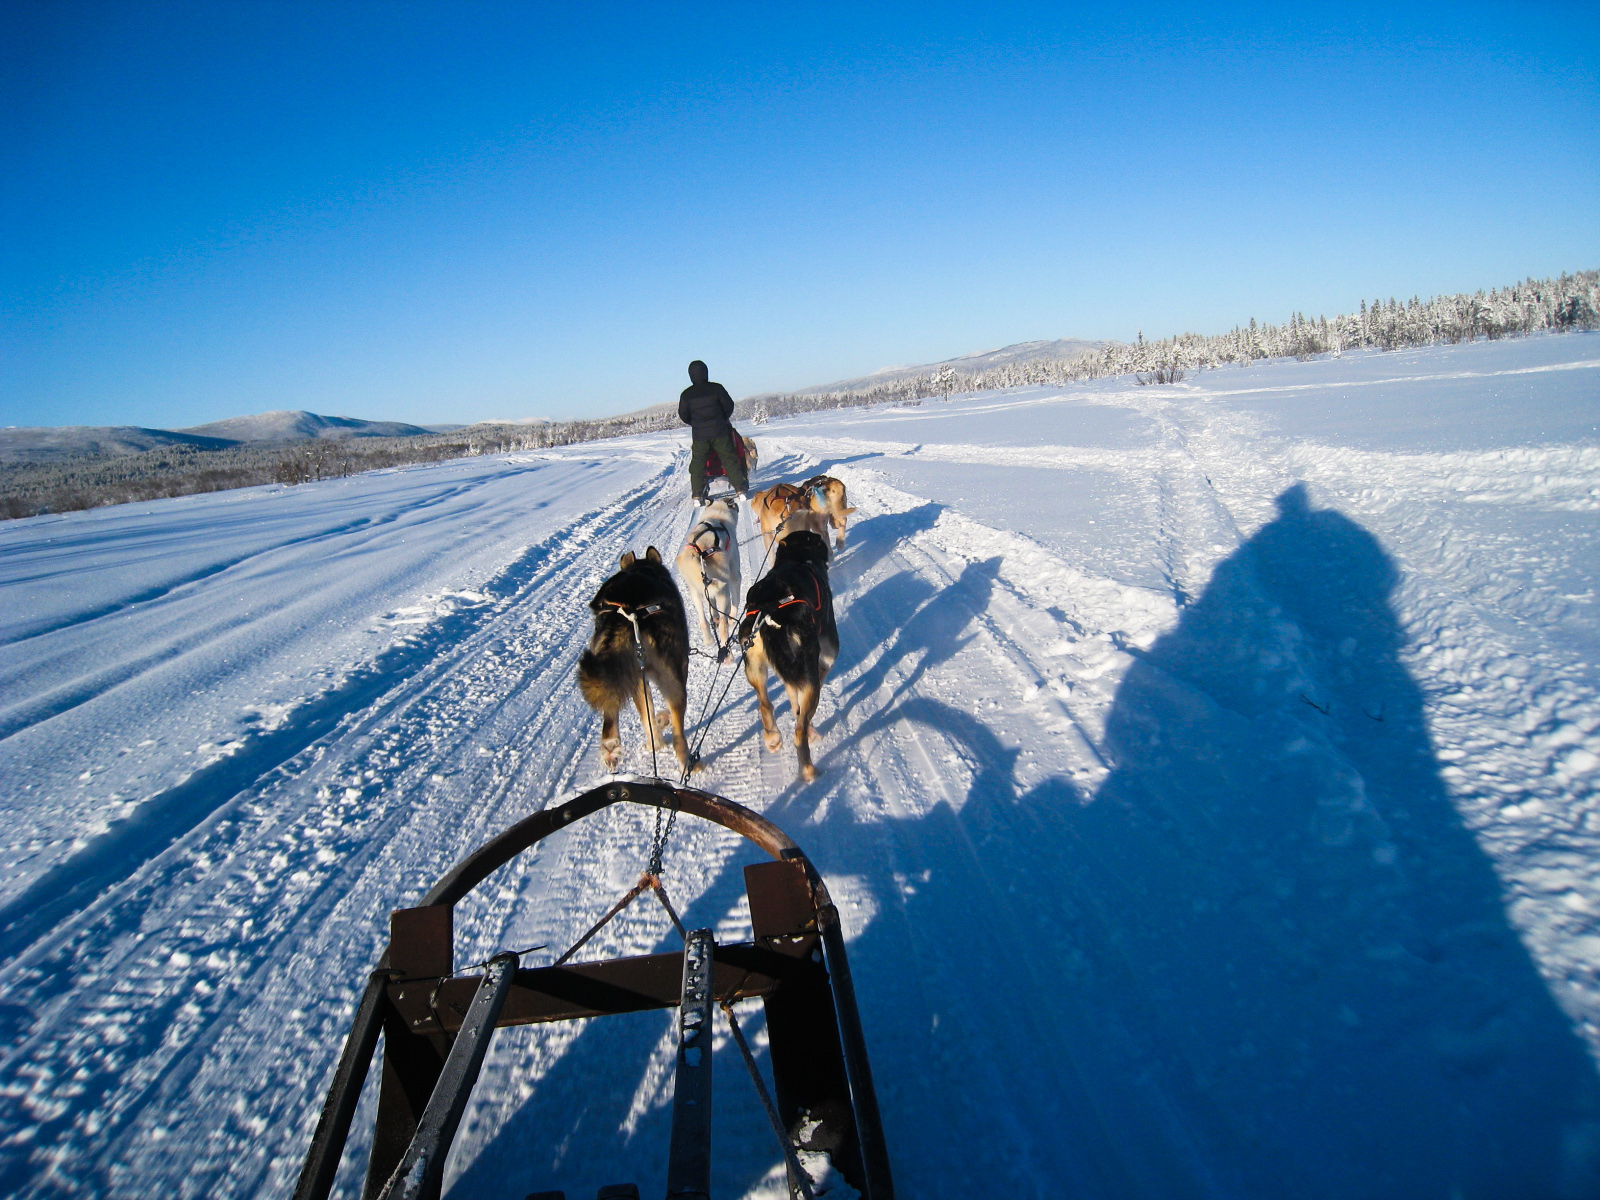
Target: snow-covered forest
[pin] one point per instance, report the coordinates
(27, 489)
(1558, 305)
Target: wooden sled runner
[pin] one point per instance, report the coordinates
(436, 1024)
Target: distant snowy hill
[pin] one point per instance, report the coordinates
(294, 425)
(1021, 352)
(42, 444)
(32, 444)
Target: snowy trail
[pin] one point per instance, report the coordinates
(1208, 787)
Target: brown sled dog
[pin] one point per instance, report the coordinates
(782, 509)
(788, 622)
(828, 500)
(640, 597)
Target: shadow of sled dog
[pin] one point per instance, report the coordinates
(641, 636)
(789, 623)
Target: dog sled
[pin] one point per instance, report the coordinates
(436, 1023)
(714, 466)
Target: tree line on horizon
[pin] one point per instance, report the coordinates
(1569, 302)
(1563, 304)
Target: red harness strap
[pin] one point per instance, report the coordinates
(791, 598)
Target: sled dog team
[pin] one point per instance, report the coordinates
(786, 621)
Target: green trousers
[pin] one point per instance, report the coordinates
(731, 463)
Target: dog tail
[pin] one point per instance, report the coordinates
(607, 681)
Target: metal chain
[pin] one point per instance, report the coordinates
(658, 842)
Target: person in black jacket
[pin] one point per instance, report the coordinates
(706, 407)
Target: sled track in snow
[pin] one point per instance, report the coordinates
(368, 693)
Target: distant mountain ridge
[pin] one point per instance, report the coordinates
(294, 425)
(43, 444)
(37, 444)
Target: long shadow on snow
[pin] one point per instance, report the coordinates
(875, 537)
(581, 1104)
(934, 630)
(1267, 958)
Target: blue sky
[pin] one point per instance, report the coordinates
(451, 212)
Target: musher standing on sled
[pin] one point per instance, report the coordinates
(706, 407)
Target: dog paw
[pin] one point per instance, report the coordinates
(611, 755)
(774, 741)
(809, 773)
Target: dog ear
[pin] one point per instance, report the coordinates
(652, 554)
(628, 559)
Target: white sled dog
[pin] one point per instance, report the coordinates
(709, 567)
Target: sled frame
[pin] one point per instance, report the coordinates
(717, 469)
(796, 964)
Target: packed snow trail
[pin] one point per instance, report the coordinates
(1209, 791)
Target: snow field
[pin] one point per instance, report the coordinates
(1208, 788)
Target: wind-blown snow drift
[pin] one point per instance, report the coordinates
(1209, 788)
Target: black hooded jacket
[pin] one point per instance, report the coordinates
(705, 405)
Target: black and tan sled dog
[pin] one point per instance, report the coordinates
(638, 614)
(788, 622)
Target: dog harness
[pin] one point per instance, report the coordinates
(790, 598)
(719, 541)
(633, 614)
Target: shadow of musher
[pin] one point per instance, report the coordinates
(1267, 958)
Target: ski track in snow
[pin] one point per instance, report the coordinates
(1210, 798)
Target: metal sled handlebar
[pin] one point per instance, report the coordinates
(495, 853)
(817, 1047)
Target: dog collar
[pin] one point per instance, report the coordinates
(643, 610)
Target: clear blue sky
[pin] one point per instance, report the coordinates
(457, 211)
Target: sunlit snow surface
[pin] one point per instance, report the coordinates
(1209, 785)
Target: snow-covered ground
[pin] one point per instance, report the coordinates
(1209, 785)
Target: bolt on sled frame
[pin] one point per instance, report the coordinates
(436, 1024)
